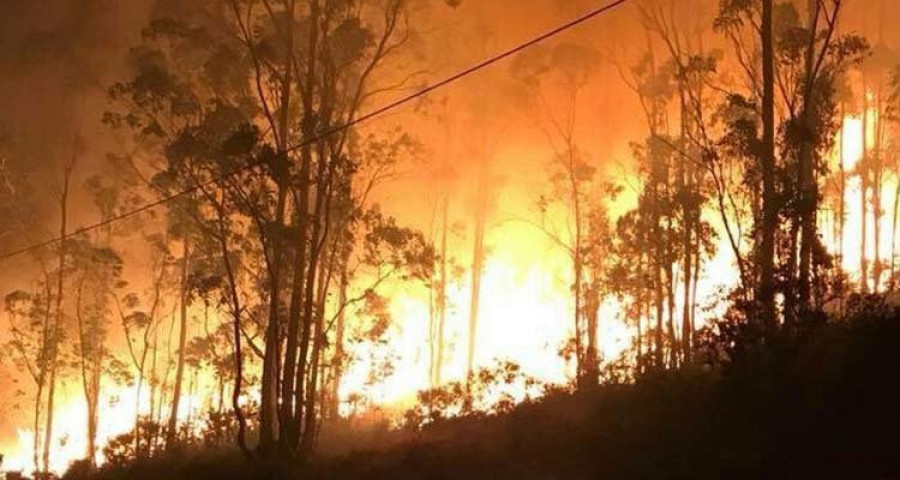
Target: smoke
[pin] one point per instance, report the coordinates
(56, 56)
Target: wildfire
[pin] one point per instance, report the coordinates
(118, 408)
(525, 319)
(865, 215)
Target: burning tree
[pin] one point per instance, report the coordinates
(96, 268)
(801, 61)
(244, 103)
(578, 188)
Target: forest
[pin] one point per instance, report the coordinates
(449, 239)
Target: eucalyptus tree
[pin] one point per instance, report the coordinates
(682, 83)
(811, 56)
(577, 186)
(892, 116)
(243, 104)
(139, 313)
(780, 115)
(95, 269)
(29, 313)
(875, 165)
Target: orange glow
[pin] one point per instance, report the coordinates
(526, 305)
(850, 245)
(525, 317)
(117, 413)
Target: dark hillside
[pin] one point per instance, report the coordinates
(823, 408)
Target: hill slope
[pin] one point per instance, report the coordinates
(824, 408)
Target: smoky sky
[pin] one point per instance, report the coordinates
(56, 56)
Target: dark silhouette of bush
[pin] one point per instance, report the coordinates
(816, 404)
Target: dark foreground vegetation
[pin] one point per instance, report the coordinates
(820, 405)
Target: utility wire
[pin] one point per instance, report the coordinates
(332, 131)
(469, 71)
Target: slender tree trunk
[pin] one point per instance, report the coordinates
(236, 310)
(438, 360)
(477, 269)
(807, 159)
(658, 271)
(670, 309)
(842, 203)
(696, 282)
(894, 221)
(686, 320)
(312, 341)
(41, 380)
(864, 171)
(92, 414)
(56, 331)
(311, 421)
(765, 295)
(277, 390)
(339, 353)
(172, 431)
(878, 187)
(592, 354)
(670, 260)
(288, 423)
(310, 411)
(90, 377)
(298, 324)
(639, 340)
(660, 314)
(137, 398)
(269, 413)
(38, 401)
(48, 425)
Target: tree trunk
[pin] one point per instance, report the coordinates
(90, 378)
(670, 309)
(807, 158)
(38, 401)
(298, 325)
(894, 221)
(172, 430)
(864, 171)
(842, 205)
(236, 338)
(55, 334)
(877, 187)
(41, 380)
(438, 360)
(311, 343)
(765, 295)
(269, 416)
(48, 425)
(660, 314)
(687, 267)
(592, 354)
(339, 353)
(277, 390)
(477, 269)
(790, 287)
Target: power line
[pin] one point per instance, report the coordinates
(474, 68)
(327, 133)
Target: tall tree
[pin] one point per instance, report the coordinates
(248, 100)
(96, 268)
(577, 186)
